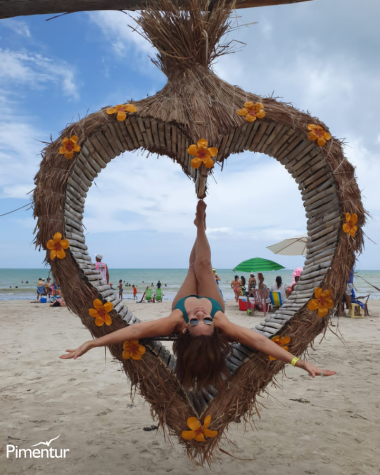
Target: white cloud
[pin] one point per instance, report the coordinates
(36, 71)
(18, 26)
(116, 27)
(18, 158)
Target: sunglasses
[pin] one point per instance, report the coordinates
(195, 321)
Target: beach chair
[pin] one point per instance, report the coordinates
(260, 297)
(275, 298)
(158, 295)
(148, 295)
(357, 300)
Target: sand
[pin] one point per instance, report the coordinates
(322, 426)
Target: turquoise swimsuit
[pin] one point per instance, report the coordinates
(181, 306)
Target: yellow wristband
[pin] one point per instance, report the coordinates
(294, 361)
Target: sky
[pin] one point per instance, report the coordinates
(321, 56)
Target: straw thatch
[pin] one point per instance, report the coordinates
(196, 103)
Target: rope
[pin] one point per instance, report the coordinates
(9, 212)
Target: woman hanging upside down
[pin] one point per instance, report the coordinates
(203, 330)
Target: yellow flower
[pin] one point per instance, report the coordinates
(69, 146)
(323, 302)
(350, 225)
(318, 133)
(133, 350)
(198, 432)
(121, 110)
(252, 111)
(57, 246)
(100, 312)
(202, 154)
(280, 342)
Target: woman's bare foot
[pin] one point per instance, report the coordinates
(200, 214)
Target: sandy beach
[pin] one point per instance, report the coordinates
(321, 426)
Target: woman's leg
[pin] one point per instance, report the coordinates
(207, 286)
(189, 286)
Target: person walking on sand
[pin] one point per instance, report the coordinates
(134, 292)
(203, 330)
(235, 286)
(120, 289)
(102, 268)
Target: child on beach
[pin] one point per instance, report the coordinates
(134, 292)
(120, 289)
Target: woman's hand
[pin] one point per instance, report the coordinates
(314, 370)
(78, 352)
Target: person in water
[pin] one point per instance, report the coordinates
(203, 330)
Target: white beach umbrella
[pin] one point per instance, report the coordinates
(290, 247)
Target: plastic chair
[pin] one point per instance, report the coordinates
(148, 295)
(259, 299)
(275, 298)
(356, 311)
(363, 305)
(159, 295)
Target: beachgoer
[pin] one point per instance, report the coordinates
(202, 328)
(158, 285)
(59, 303)
(235, 286)
(40, 288)
(347, 296)
(243, 290)
(289, 290)
(279, 286)
(120, 289)
(134, 292)
(261, 278)
(102, 268)
(217, 280)
(251, 282)
(48, 287)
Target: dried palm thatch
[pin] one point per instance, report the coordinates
(196, 103)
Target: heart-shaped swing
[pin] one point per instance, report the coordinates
(195, 104)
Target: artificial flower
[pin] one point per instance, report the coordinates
(252, 111)
(280, 342)
(133, 350)
(198, 432)
(69, 146)
(317, 132)
(100, 312)
(202, 154)
(121, 110)
(323, 302)
(57, 246)
(350, 225)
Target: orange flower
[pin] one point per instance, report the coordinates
(133, 350)
(350, 225)
(121, 110)
(323, 302)
(100, 312)
(202, 154)
(69, 146)
(280, 342)
(252, 111)
(318, 133)
(57, 246)
(198, 432)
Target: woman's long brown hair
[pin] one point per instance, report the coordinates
(201, 360)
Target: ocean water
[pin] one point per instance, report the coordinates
(25, 280)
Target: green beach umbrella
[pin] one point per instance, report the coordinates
(257, 265)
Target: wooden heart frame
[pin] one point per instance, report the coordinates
(196, 104)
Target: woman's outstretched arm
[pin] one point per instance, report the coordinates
(161, 327)
(255, 340)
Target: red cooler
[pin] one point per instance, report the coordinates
(243, 304)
